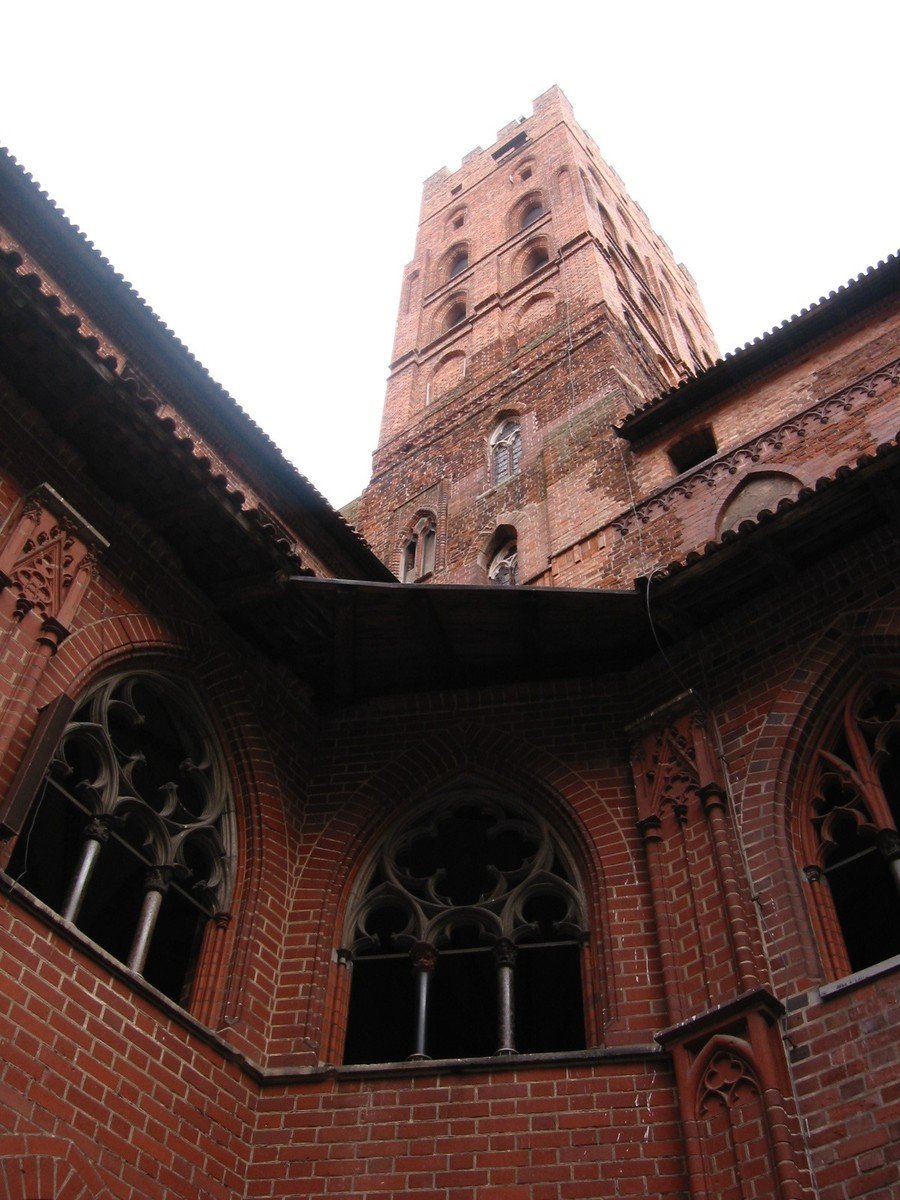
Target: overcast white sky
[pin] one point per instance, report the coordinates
(255, 169)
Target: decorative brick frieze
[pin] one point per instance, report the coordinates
(781, 438)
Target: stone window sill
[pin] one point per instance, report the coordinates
(859, 978)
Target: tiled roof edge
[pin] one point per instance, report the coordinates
(75, 241)
(735, 367)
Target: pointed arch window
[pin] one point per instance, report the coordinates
(130, 835)
(465, 938)
(849, 834)
(419, 550)
(506, 450)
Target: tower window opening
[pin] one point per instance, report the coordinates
(417, 560)
(693, 448)
(533, 213)
(466, 939)
(506, 451)
(536, 259)
(456, 314)
(459, 264)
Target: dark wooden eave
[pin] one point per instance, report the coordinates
(90, 280)
(358, 640)
(354, 641)
(141, 459)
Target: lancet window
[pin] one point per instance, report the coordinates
(506, 450)
(849, 834)
(465, 938)
(130, 835)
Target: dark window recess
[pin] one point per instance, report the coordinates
(865, 899)
(536, 259)
(419, 551)
(459, 264)
(466, 940)
(851, 840)
(127, 835)
(692, 449)
(531, 214)
(454, 191)
(513, 144)
(456, 314)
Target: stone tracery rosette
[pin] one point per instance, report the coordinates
(139, 756)
(519, 872)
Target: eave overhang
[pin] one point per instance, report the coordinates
(204, 403)
(140, 457)
(793, 335)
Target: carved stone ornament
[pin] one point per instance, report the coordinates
(47, 558)
(673, 766)
(727, 1078)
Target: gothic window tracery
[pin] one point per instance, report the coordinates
(506, 450)
(465, 938)
(504, 566)
(849, 835)
(130, 835)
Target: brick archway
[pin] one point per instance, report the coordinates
(40, 1167)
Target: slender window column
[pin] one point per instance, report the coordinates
(424, 957)
(155, 883)
(96, 835)
(505, 957)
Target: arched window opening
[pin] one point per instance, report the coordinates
(504, 566)
(129, 835)
(455, 314)
(459, 262)
(607, 222)
(506, 451)
(536, 259)
(533, 212)
(850, 830)
(465, 939)
(419, 550)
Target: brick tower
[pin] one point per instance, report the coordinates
(540, 308)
